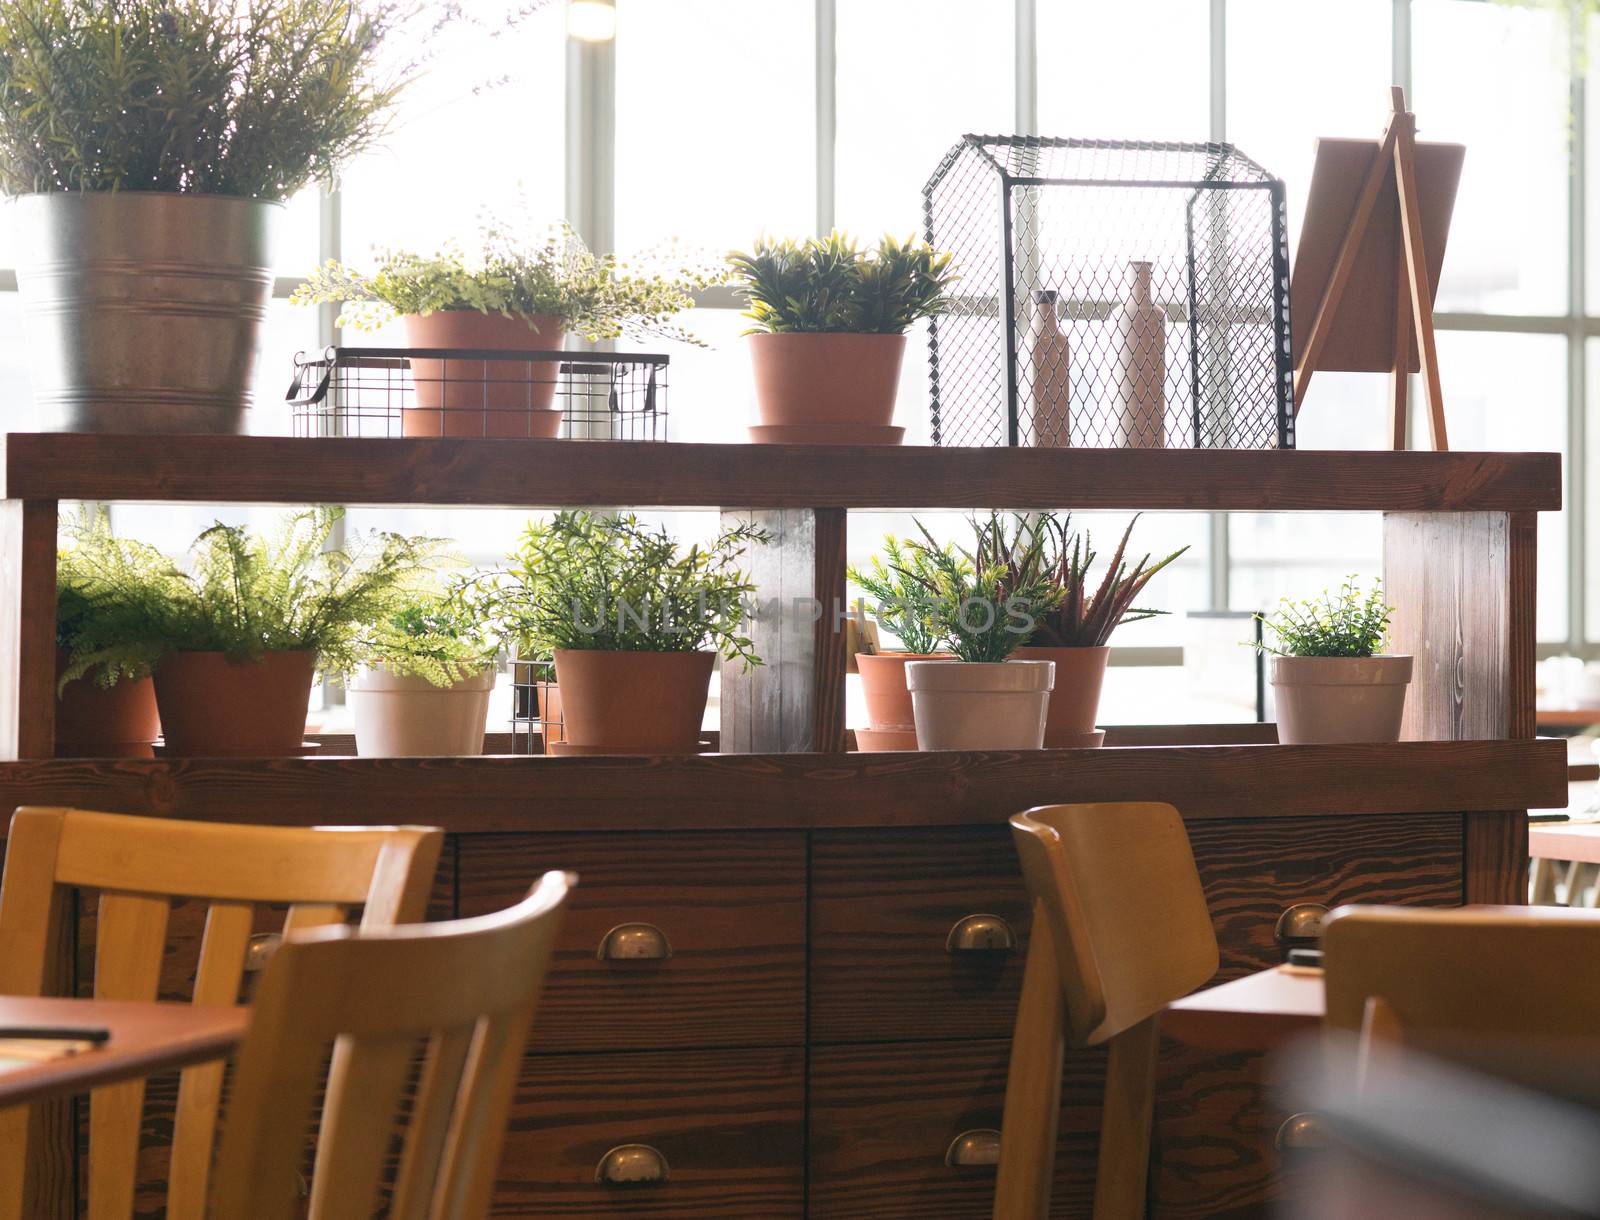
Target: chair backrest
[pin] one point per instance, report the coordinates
(140, 866)
(1514, 991)
(460, 996)
(1120, 930)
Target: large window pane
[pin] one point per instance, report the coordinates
(696, 158)
(1508, 240)
(914, 76)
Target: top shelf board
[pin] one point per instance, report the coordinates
(563, 473)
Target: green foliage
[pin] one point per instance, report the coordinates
(986, 600)
(897, 580)
(440, 636)
(1079, 618)
(111, 600)
(595, 296)
(1343, 624)
(256, 98)
(248, 594)
(609, 583)
(827, 284)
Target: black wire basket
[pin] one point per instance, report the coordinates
(536, 717)
(1112, 294)
(459, 392)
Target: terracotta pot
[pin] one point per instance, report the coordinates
(506, 398)
(408, 717)
(1331, 700)
(633, 702)
(94, 721)
(997, 705)
(883, 685)
(1075, 701)
(817, 381)
(212, 707)
(552, 720)
(879, 741)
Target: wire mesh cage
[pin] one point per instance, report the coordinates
(537, 721)
(1112, 294)
(387, 392)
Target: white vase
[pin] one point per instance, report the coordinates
(408, 717)
(1049, 399)
(1336, 700)
(977, 705)
(1141, 365)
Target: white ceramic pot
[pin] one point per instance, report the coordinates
(1332, 700)
(408, 717)
(997, 705)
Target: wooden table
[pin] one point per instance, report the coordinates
(1578, 841)
(145, 1038)
(1258, 1012)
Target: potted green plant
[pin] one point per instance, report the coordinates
(634, 622)
(1331, 680)
(896, 580)
(512, 295)
(829, 332)
(250, 623)
(424, 684)
(150, 147)
(1075, 630)
(110, 597)
(987, 600)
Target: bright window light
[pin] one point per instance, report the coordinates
(592, 20)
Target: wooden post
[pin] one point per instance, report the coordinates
(27, 629)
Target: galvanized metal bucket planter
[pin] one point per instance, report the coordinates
(144, 309)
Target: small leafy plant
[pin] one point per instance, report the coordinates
(581, 581)
(436, 636)
(829, 285)
(1347, 623)
(594, 296)
(897, 580)
(986, 600)
(1079, 618)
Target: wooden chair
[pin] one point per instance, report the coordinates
(1120, 930)
(139, 866)
(464, 991)
(1512, 991)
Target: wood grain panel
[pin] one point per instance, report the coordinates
(882, 1117)
(827, 704)
(27, 629)
(552, 474)
(798, 791)
(733, 908)
(731, 1125)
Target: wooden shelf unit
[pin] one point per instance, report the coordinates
(819, 1043)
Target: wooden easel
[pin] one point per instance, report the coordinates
(1394, 168)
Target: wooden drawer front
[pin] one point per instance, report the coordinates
(883, 905)
(732, 908)
(1253, 871)
(882, 1118)
(731, 1125)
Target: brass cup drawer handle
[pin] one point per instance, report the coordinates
(980, 1146)
(981, 934)
(1299, 1132)
(259, 950)
(634, 942)
(632, 1165)
(1301, 924)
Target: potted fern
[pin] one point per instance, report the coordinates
(1331, 680)
(247, 627)
(634, 622)
(829, 333)
(511, 295)
(986, 601)
(1075, 630)
(423, 687)
(110, 596)
(896, 580)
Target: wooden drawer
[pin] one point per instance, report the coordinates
(883, 905)
(731, 1125)
(732, 908)
(882, 1118)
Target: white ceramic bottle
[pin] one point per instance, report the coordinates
(1141, 349)
(1050, 410)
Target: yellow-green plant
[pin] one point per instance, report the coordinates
(440, 636)
(830, 285)
(897, 580)
(1346, 623)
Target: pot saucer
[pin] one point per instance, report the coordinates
(1079, 741)
(305, 749)
(872, 741)
(825, 434)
